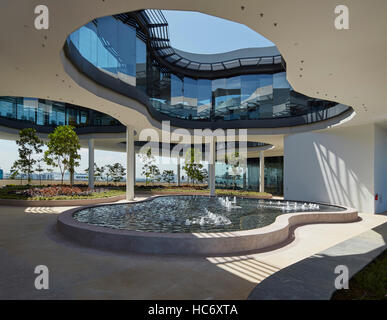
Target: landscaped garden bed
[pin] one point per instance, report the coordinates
(31, 193)
(81, 192)
(200, 190)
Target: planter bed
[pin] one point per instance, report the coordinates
(59, 203)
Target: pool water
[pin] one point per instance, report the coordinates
(194, 214)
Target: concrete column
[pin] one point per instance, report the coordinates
(130, 163)
(91, 163)
(211, 167)
(178, 172)
(261, 172)
(134, 166)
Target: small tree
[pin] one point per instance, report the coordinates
(15, 172)
(116, 172)
(107, 174)
(168, 176)
(62, 149)
(234, 161)
(193, 169)
(149, 169)
(98, 171)
(28, 143)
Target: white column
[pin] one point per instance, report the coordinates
(130, 167)
(261, 172)
(178, 172)
(211, 167)
(91, 163)
(134, 165)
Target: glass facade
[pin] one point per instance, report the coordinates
(119, 49)
(49, 113)
(248, 179)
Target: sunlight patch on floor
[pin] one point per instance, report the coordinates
(245, 267)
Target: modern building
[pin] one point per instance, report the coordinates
(312, 107)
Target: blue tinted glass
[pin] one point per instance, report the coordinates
(7, 109)
(279, 81)
(74, 37)
(190, 92)
(165, 88)
(281, 89)
(265, 95)
(88, 42)
(127, 53)
(176, 90)
(219, 93)
(204, 98)
(233, 91)
(107, 44)
(140, 64)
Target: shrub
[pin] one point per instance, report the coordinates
(57, 191)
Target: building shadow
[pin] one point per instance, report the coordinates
(314, 278)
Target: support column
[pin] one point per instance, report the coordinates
(178, 172)
(261, 172)
(134, 166)
(91, 163)
(130, 166)
(211, 167)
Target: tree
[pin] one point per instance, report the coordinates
(28, 143)
(234, 161)
(98, 171)
(62, 149)
(116, 171)
(39, 169)
(149, 169)
(168, 176)
(107, 174)
(193, 169)
(15, 172)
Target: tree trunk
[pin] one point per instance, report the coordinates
(71, 177)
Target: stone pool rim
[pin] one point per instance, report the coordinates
(206, 243)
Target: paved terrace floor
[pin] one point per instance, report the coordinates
(28, 238)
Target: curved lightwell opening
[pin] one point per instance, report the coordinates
(131, 53)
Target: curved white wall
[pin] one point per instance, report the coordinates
(344, 166)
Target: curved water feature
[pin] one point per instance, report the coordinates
(194, 214)
(195, 224)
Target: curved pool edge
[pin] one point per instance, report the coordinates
(203, 244)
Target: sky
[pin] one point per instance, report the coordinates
(200, 33)
(189, 31)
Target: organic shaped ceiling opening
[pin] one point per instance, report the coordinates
(132, 53)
